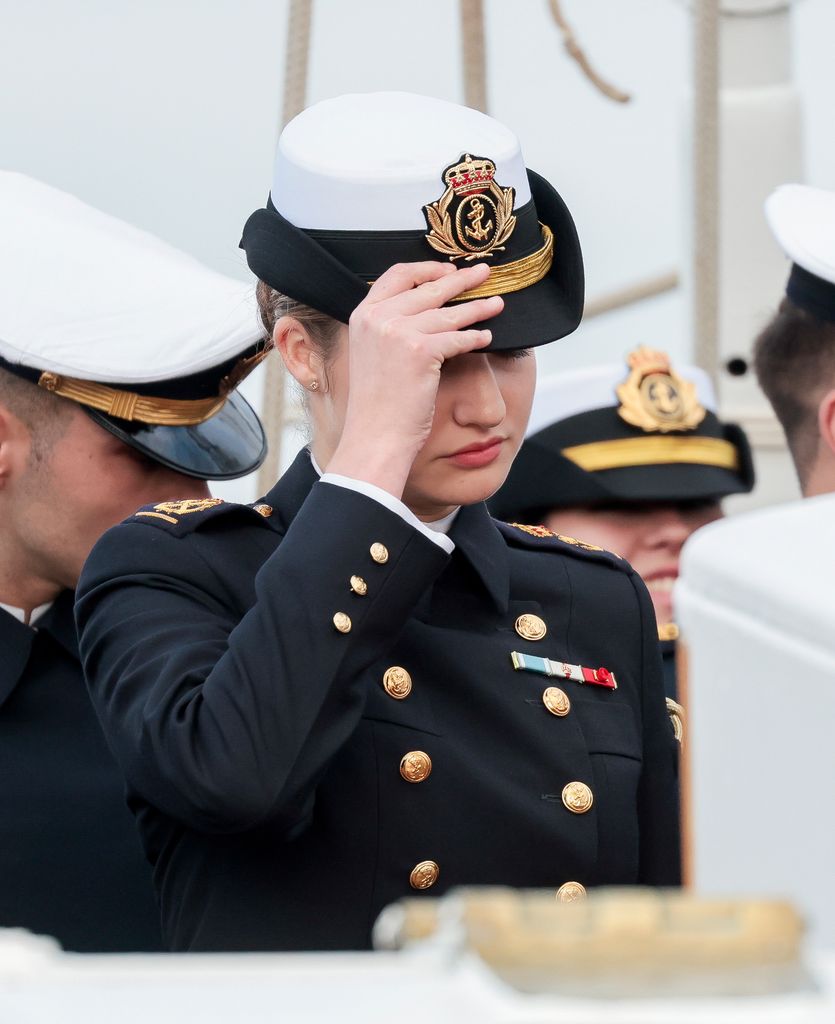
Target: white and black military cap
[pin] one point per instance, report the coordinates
(147, 340)
(365, 181)
(802, 219)
(615, 435)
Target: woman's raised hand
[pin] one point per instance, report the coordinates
(399, 338)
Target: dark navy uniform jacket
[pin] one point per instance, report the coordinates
(70, 862)
(668, 662)
(263, 752)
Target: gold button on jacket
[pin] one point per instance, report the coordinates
(556, 700)
(530, 627)
(380, 553)
(397, 682)
(359, 586)
(415, 766)
(577, 797)
(342, 622)
(571, 892)
(424, 875)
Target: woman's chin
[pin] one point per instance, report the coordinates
(453, 486)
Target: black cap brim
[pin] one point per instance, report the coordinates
(228, 445)
(541, 478)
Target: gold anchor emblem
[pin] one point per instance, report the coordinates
(478, 231)
(474, 217)
(654, 397)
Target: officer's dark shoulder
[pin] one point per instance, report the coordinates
(191, 515)
(540, 538)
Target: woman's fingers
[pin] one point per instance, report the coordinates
(456, 343)
(434, 293)
(455, 318)
(413, 287)
(403, 277)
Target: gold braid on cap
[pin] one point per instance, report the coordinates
(653, 451)
(519, 274)
(166, 412)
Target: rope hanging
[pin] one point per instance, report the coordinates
(705, 310)
(575, 51)
(274, 402)
(473, 54)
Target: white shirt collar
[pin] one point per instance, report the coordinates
(20, 614)
(443, 525)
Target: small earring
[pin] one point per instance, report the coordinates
(314, 385)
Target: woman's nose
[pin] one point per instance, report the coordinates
(670, 528)
(478, 399)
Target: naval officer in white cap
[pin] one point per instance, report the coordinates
(794, 356)
(118, 356)
(366, 688)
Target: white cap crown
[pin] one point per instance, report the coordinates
(802, 219)
(372, 161)
(89, 296)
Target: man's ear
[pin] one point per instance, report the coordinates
(5, 445)
(300, 354)
(14, 444)
(826, 420)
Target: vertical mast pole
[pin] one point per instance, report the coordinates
(296, 64)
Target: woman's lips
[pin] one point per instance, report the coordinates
(476, 455)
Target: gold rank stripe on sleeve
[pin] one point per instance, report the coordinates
(562, 670)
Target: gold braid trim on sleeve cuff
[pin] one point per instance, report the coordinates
(129, 405)
(653, 451)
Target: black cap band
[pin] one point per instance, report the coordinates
(812, 293)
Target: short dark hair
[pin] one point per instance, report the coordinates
(794, 359)
(42, 413)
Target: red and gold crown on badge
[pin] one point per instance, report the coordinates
(654, 397)
(474, 217)
(471, 174)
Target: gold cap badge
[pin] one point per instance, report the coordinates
(654, 397)
(474, 217)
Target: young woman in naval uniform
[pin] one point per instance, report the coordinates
(362, 687)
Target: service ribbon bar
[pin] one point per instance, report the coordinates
(561, 669)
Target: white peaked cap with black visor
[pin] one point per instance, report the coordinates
(367, 180)
(145, 338)
(802, 219)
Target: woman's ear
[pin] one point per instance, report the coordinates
(300, 354)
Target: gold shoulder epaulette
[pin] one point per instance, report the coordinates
(170, 510)
(534, 531)
(543, 531)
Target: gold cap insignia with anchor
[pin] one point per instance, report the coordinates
(654, 397)
(474, 217)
